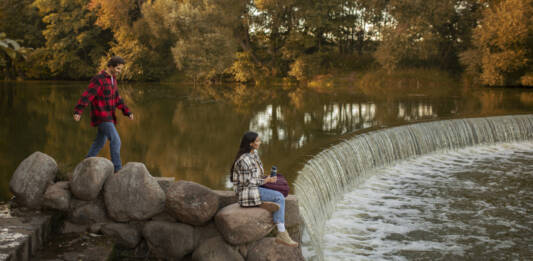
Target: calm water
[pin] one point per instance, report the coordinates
(193, 134)
(470, 204)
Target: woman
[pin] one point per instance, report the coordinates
(247, 175)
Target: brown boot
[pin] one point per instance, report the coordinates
(269, 206)
(284, 238)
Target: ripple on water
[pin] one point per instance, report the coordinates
(474, 203)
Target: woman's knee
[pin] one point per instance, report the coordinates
(279, 197)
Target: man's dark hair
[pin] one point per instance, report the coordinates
(114, 61)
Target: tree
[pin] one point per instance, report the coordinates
(427, 33)
(20, 20)
(11, 57)
(504, 44)
(74, 45)
(147, 55)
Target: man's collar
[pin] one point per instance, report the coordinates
(106, 74)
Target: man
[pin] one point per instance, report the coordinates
(103, 95)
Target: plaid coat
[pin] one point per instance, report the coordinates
(103, 96)
(247, 176)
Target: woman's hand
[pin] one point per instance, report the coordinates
(270, 179)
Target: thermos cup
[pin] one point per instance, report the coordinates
(274, 171)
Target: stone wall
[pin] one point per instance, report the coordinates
(171, 220)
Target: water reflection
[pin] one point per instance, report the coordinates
(409, 112)
(193, 134)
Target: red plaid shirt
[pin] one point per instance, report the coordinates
(103, 95)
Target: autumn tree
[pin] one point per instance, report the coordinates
(146, 51)
(21, 21)
(12, 56)
(503, 52)
(74, 45)
(427, 33)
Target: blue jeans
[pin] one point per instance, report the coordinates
(276, 197)
(107, 130)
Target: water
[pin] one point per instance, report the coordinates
(325, 178)
(470, 204)
(193, 134)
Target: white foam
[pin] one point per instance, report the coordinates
(447, 204)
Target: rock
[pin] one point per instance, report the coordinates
(88, 212)
(164, 216)
(292, 212)
(96, 228)
(201, 234)
(242, 225)
(133, 194)
(169, 240)
(165, 182)
(191, 203)
(267, 249)
(215, 249)
(243, 249)
(124, 235)
(69, 227)
(89, 177)
(57, 196)
(226, 197)
(31, 178)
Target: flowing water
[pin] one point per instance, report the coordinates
(325, 179)
(469, 204)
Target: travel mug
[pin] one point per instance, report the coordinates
(273, 171)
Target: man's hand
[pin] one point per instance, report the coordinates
(131, 116)
(77, 117)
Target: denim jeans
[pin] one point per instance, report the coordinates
(276, 197)
(107, 130)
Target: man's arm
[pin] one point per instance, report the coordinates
(121, 106)
(86, 98)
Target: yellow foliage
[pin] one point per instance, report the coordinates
(504, 42)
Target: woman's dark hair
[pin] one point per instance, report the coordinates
(245, 147)
(114, 61)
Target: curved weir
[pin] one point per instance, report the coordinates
(336, 170)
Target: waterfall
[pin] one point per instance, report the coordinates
(328, 175)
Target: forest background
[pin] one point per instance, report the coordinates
(490, 41)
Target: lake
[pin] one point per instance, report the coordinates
(193, 133)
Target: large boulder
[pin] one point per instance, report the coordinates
(89, 177)
(31, 178)
(133, 194)
(57, 196)
(202, 233)
(267, 249)
(169, 240)
(164, 216)
(123, 234)
(88, 212)
(165, 182)
(242, 225)
(215, 249)
(226, 197)
(191, 202)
